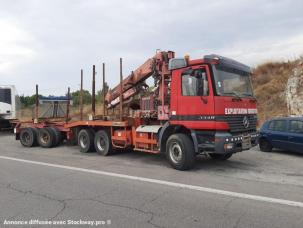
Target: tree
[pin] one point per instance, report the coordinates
(75, 96)
(28, 100)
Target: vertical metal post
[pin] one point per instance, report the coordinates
(121, 91)
(67, 105)
(37, 104)
(81, 96)
(162, 92)
(103, 74)
(94, 92)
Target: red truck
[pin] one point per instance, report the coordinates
(202, 106)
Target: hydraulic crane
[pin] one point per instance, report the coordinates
(157, 67)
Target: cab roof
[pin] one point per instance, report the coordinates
(177, 63)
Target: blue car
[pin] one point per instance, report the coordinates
(282, 133)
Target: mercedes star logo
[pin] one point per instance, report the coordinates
(245, 122)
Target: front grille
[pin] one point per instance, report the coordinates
(236, 122)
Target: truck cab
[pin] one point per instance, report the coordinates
(213, 99)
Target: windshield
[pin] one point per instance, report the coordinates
(232, 82)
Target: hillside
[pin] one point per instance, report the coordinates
(278, 87)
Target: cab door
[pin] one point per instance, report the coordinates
(195, 105)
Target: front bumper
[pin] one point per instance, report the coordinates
(223, 142)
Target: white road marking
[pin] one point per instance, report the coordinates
(167, 183)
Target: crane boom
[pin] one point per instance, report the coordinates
(132, 83)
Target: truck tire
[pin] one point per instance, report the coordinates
(46, 137)
(103, 143)
(86, 140)
(265, 146)
(222, 157)
(28, 137)
(180, 152)
(58, 136)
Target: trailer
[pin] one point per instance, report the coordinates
(202, 106)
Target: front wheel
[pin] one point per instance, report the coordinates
(180, 152)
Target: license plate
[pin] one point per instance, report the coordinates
(246, 142)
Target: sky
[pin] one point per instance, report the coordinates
(47, 42)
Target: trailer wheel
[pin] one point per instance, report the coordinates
(46, 137)
(180, 152)
(86, 140)
(28, 137)
(103, 144)
(222, 157)
(57, 134)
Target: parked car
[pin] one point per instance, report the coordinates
(282, 133)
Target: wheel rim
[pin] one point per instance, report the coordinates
(45, 138)
(175, 152)
(83, 141)
(25, 137)
(101, 144)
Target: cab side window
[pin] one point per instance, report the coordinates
(195, 83)
(296, 126)
(277, 125)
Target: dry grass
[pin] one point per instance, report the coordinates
(269, 82)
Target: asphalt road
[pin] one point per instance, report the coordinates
(63, 185)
